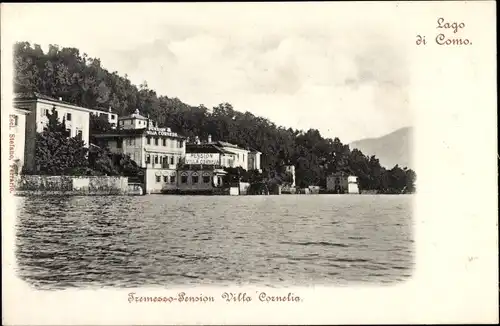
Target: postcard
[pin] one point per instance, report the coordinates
(249, 163)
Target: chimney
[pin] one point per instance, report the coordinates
(209, 139)
(109, 109)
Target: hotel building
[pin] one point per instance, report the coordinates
(223, 154)
(39, 106)
(157, 150)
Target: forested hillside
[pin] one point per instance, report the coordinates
(80, 79)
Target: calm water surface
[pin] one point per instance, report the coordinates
(214, 240)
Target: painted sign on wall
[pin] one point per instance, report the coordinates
(202, 158)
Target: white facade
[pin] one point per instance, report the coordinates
(157, 150)
(240, 155)
(76, 120)
(254, 160)
(352, 185)
(134, 121)
(110, 116)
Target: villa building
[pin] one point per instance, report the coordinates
(342, 183)
(254, 160)
(222, 153)
(110, 116)
(157, 150)
(39, 107)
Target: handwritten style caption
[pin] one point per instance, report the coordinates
(241, 297)
(443, 38)
(12, 149)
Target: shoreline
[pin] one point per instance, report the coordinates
(33, 193)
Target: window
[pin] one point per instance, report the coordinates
(68, 132)
(148, 159)
(121, 123)
(119, 143)
(184, 179)
(172, 160)
(113, 117)
(206, 179)
(180, 143)
(158, 178)
(172, 179)
(68, 116)
(46, 112)
(156, 159)
(165, 178)
(195, 178)
(164, 142)
(148, 140)
(79, 135)
(156, 141)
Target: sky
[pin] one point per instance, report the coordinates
(332, 67)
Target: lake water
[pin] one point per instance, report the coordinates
(166, 240)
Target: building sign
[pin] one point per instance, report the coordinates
(202, 158)
(154, 131)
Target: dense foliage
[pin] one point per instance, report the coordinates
(58, 154)
(65, 72)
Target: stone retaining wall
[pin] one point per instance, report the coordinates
(71, 185)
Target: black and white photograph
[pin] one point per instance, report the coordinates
(209, 145)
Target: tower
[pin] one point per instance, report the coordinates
(291, 169)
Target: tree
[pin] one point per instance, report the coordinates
(83, 81)
(56, 153)
(98, 125)
(104, 162)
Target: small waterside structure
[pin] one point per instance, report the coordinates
(342, 183)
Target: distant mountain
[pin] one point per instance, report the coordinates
(394, 148)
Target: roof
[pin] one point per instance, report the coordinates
(135, 115)
(128, 132)
(225, 144)
(205, 148)
(22, 111)
(40, 96)
(34, 96)
(108, 110)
